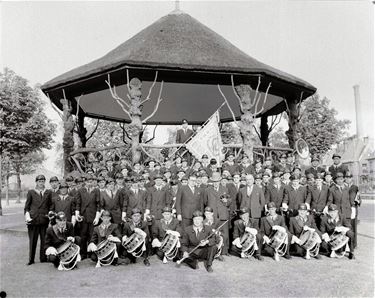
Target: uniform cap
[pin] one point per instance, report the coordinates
(54, 179)
(167, 209)
(197, 213)
(208, 209)
(40, 177)
(302, 206)
(332, 207)
(271, 205)
(136, 211)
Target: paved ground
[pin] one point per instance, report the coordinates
(234, 277)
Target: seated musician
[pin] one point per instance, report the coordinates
(198, 242)
(210, 221)
(136, 225)
(57, 234)
(268, 225)
(297, 225)
(246, 225)
(335, 223)
(105, 230)
(168, 224)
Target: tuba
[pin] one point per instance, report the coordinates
(68, 253)
(279, 241)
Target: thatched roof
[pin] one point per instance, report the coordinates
(184, 51)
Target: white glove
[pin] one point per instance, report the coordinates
(341, 229)
(251, 230)
(279, 228)
(51, 251)
(237, 242)
(295, 240)
(353, 214)
(113, 238)
(308, 206)
(124, 238)
(186, 254)
(284, 206)
(179, 217)
(140, 232)
(325, 237)
(266, 239)
(27, 217)
(70, 238)
(147, 212)
(92, 247)
(74, 220)
(305, 228)
(156, 243)
(325, 210)
(96, 220)
(174, 211)
(123, 216)
(265, 208)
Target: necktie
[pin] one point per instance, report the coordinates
(41, 195)
(111, 194)
(198, 233)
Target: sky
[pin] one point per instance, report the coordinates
(330, 44)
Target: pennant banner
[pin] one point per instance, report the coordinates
(208, 140)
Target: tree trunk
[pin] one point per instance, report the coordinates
(1, 185)
(82, 131)
(68, 140)
(18, 201)
(7, 189)
(264, 132)
(291, 133)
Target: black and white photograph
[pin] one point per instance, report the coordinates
(187, 148)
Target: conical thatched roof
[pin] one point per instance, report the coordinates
(184, 51)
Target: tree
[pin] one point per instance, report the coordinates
(24, 127)
(319, 125)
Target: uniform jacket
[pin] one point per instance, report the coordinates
(157, 200)
(187, 201)
(212, 199)
(294, 197)
(55, 239)
(339, 168)
(127, 228)
(239, 227)
(38, 206)
(99, 234)
(340, 197)
(88, 203)
(314, 171)
(317, 199)
(112, 204)
(273, 194)
(183, 136)
(326, 226)
(68, 205)
(189, 238)
(160, 227)
(266, 224)
(233, 191)
(255, 202)
(135, 201)
(296, 225)
(232, 168)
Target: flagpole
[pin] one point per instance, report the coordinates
(193, 135)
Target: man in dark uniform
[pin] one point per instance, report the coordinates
(339, 195)
(136, 225)
(87, 213)
(314, 169)
(317, 197)
(136, 198)
(38, 202)
(64, 202)
(184, 134)
(198, 234)
(355, 201)
(249, 225)
(337, 166)
(334, 222)
(188, 199)
(303, 221)
(274, 192)
(294, 195)
(166, 224)
(54, 183)
(57, 234)
(268, 224)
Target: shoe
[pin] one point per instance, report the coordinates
(276, 257)
(351, 256)
(307, 257)
(318, 257)
(165, 261)
(146, 262)
(220, 258)
(208, 268)
(192, 264)
(43, 261)
(288, 257)
(29, 263)
(259, 257)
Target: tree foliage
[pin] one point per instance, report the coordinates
(319, 125)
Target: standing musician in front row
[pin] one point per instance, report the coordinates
(197, 235)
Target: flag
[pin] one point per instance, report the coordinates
(208, 140)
